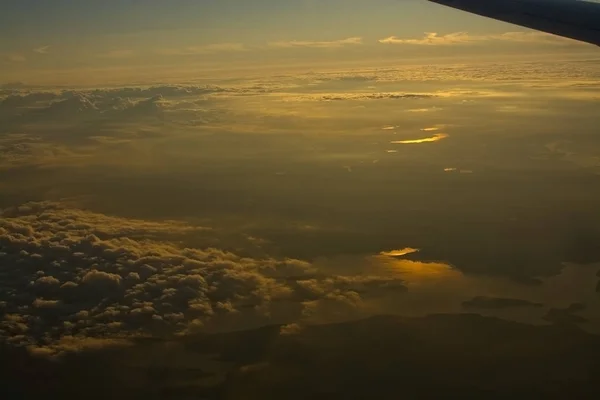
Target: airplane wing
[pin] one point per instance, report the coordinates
(574, 19)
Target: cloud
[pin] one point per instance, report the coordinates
(117, 54)
(351, 41)
(19, 96)
(16, 58)
(60, 127)
(206, 49)
(101, 278)
(399, 253)
(18, 150)
(567, 316)
(494, 303)
(76, 344)
(77, 103)
(17, 85)
(424, 110)
(19, 100)
(290, 329)
(76, 106)
(42, 50)
(461, 38)
(361, 96)
(428, 356)
(111, 278)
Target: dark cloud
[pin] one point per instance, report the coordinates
(440, 356)
(484, 302)
(160, 90)
(13, 85)
(567, 316)
(68, 106)
(17, 101)
(74, 106)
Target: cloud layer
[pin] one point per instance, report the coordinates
(301, 187)
(74, 273)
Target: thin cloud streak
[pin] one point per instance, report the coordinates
(117, 54)
(42, 50)
(206, 49)
(16, 58)
(458, 38)
(351, 41)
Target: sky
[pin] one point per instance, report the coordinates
(334, 181)
(115, 41)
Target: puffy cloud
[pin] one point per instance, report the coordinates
(101, 278)
(76, 103)
(71, 344)
(290, 329)
(158, 90)
(47, 280)
(25, 99)
(41, 303)
(351, 41)
(110, 277)
(106, 105)
(100, 98)
(153, 106)
(457, 38)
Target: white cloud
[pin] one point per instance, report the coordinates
(351, 41)
(457, 38)
(16, 58)
(42, 50)
(117, 54)
(205, 49)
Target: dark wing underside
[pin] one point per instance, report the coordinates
(574, 19)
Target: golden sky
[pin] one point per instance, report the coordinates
(151, 41)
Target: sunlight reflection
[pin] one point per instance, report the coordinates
(416, 272)
(434, 138)
(399, 253)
